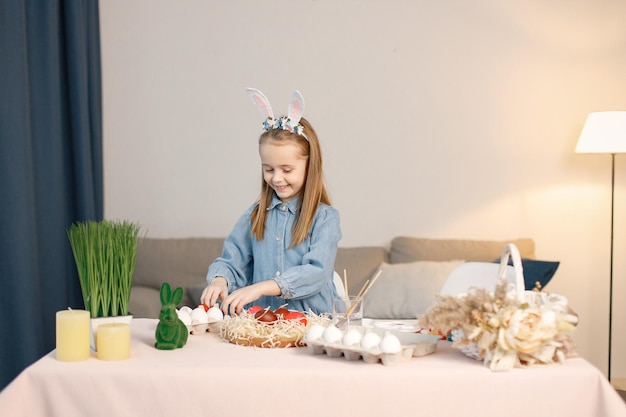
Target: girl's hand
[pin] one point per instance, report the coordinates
(235, 302)
(217, 289)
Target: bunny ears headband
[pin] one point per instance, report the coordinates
(291, 122)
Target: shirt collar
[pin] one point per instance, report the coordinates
(291, 205)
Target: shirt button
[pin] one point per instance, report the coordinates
(283, 208)
(277, 238)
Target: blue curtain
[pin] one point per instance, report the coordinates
(50, 165)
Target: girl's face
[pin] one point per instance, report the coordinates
(284, 168)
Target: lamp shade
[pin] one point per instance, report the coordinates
(604, 132)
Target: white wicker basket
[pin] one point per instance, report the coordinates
(516, 289)
(469, 349)
(543, 320)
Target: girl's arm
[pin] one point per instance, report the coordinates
(235, 264)
(236, 301)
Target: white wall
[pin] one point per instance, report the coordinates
(437, 119)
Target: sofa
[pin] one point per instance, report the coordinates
(413, 270)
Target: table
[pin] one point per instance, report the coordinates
(212, 377)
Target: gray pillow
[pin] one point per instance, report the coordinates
(406, 290)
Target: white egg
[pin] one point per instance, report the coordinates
(390, 344)
(315, 332)
(186, 309)
(214, 315)
(184, 316)
(198, 316)
(352, 337)
(370, 340)
(332, 334)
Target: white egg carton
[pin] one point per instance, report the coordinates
(202, 328)
(199, 321)
(412, 345)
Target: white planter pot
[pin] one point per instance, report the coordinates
(95, 322)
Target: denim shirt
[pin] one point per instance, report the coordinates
(304, 273)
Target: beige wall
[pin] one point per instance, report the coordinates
(447, 118)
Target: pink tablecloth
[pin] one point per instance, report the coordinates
(211, 377)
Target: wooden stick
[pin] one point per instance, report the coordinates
(362, 293)
(350, 307)
(362, 290)
(372, 283)
(345, 280)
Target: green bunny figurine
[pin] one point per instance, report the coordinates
(171, 332)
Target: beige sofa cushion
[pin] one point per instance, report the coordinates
(182, 262)
(411, 249)
(404, 291)
(144, 302)
(360, 263)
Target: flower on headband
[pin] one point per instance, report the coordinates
(269, 124)
(283, 123)
(299, 130)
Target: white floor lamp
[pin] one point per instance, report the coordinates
(605, 132)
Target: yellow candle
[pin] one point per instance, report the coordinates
(72, 335)
(113, 341)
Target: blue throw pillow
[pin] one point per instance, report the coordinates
(536, 272)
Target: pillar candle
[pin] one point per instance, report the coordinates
(113, 341)
(72, 335)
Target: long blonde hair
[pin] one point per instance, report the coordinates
(313, 192)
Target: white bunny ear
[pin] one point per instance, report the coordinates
(296, 107)
(262, 103)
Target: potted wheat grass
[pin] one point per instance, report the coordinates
(105, 253)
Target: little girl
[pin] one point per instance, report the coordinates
(282, 249)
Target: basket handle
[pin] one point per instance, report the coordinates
(511, 251)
